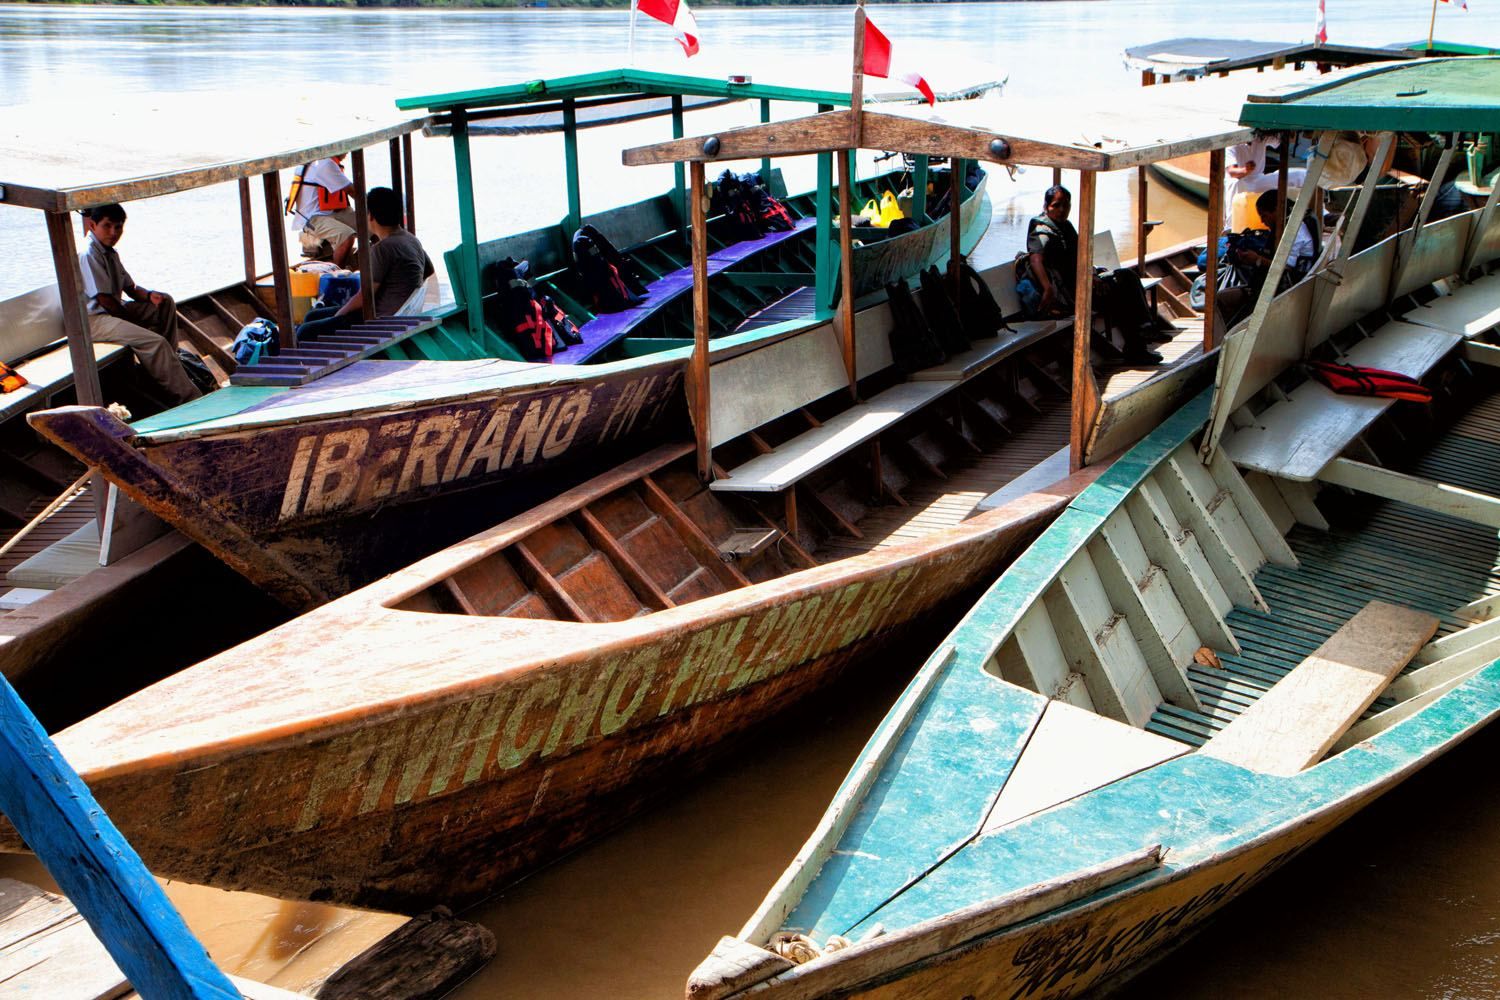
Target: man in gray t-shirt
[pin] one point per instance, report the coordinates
(398, 267)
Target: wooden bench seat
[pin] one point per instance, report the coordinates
(50, 373)
(1471, 311)
(1294, 724)
(988, 352)
(313, 358)
(807, 452)
(31, 326)
(606, 329)
(1296, 437)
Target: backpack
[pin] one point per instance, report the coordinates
(564, 330)
(942, 318)
(770, 212)
(602, 279)
(913, 346)
(255, 340)
(981, 314)
(736, 203)
(197, 372)
(514, 311)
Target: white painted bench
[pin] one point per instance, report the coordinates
(1471, 311)
(30, 323)
(1001, 281)
(1296, 437)
(1293, 725)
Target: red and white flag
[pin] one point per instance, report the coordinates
(1461, 4)
(878, 62)
(676, 14)
(1321, 35)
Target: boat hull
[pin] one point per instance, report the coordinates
(546, 735)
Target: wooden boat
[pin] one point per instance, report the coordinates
(1242, 632)
(310, 488)
(449, 728)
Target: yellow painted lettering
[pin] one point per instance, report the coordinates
(292, 498)
(431, 439)
(565, 427)
(336, 471)
(512, 753)
(527, 439)
(486, 453)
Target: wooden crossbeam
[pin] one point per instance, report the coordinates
(1442, 498)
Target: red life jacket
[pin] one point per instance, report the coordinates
(1352, 380)
(533, 330)
(332, 201)
(10, 379)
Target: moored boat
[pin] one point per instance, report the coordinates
(1273, 609)
(347, 458)
(447, 729)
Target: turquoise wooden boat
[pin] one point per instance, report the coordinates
(1277, 606)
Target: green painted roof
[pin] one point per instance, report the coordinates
(1427, 95)
(615, 81)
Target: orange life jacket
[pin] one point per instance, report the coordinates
(1352, 380)
(10, 379)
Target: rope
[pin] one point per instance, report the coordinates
(800, 949)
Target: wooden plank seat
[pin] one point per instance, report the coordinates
(809, 451)
(1294, 724)
(1296, 437)
(313, 358)
(1471, 311)
(31, 327)
(606, 329)
(988, 352)
(60, 563)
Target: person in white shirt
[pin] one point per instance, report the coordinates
(148, 323)
(1245, 166)
(319, 202)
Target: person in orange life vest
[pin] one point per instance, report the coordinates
(148, 324)
(398, 267)
(319, 201)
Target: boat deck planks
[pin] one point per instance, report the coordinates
(64, 521)
(1116, 380)
(944, 503)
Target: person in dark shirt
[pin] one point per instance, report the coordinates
(1048, 276)
(398, 267)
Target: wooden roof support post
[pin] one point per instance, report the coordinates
(280, 269)
(679, 169)
(1142, 201)
(75, 312)
(1408, 240)
(247, 230)
(765, 161)
(919, 189)
(362, 227)
(1481, 226)
(1215, 230)
(396, 181)
(570, 164)
(955, 225)
(1353, 221)
(411, 187)
(698, 374)
(1239, 349)
(468, 229)
(846, 271)
(1281, 183)
(1085, 389)
(95, 866)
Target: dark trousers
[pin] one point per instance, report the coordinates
(322, 322)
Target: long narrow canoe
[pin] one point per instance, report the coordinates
(449, 728)
(312, 491)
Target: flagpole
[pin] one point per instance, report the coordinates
(1432, 25)
(857, 86)
(632, 32)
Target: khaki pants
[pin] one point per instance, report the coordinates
(151, 334)
(323, 234)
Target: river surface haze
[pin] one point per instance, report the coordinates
(1403, 901)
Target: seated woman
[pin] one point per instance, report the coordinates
(1046, 276)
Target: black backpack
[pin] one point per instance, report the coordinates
(602, 278)
(514, 311)
(942, 316)
(981, 314)
(736, 203)
(913, 346)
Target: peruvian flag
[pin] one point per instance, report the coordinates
(1321, 35)
(1462, 4)
(676, 14)
(878, 62)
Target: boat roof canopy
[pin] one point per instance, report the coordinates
(634, 82)
(1073, 133)
(1426, 95)
(47, 162)
(1195, 56)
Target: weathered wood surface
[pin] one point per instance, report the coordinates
(424, 959)
(1470, 311)
(1444, 498)
(367, 784)
(1294, 724)
(48, 951)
